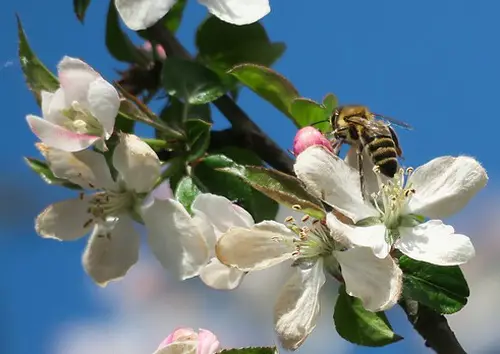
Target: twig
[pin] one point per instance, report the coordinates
(252, 137)
(433, 327)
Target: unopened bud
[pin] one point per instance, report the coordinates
(207, 342)
(309, 136)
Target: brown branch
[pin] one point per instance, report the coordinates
(433, 327)
(252, 137)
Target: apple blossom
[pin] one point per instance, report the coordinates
(393, 216)
(309, 136)
(203, 342)
(185, 244)
(80, 113)
(315, 251)
(141, 14)
(113, 246)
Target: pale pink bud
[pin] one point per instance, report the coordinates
(207, 341)
(309, 136)
(159, 49)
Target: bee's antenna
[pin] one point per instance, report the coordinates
(321, 121)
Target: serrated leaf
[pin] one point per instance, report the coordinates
(444, 289)
(191, 82)
(207, 172)
(283, 188)
(37, 76)
(118, 43)
(241, 44)
(186, 192)
(42, 169)
(80, 8)
(306, 112)
(268, 84)
(198, 138)
(359, 326)
(251, 350)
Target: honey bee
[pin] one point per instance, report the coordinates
(370, 132)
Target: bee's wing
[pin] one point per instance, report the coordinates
(376, 126)
(393, 121)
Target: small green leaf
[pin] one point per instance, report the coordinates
(208, 174)
(444, 289)
(268, 84)
(80, 7)
(198, 138)
(191, 82)
(43, 170)
(241, 44)
(239, 155)
(173, 113)
(186, 191)
(283, 188)
(118, 43)
(330, 102)
(306, 112)
(360, 326)
(173, 19)
(252, 350)
(37, 76)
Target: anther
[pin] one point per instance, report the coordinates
(296, 207)
(87, 223)
(305, 218)
(376, 169)
(290, 219)
(409, 171)
(91, 185)
(81, 195)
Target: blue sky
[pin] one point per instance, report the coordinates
(432, 64)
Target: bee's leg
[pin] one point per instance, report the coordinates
(336, 145)
(361, 172)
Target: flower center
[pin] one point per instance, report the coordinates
(108, 204)
(81, 121)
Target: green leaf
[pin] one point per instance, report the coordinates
(241, 44)
(191, 82)
(118, 43)
(173, 113)
(330, 102)
(186, 191)
(43, 170)
(306, 112)
(173, 19)
(252, 350)
(268, 84)
(80, 7)
(444, 289)
(210, 179)
(37, 76)
(198, 138)
(239, 155)
(360, 326)
(283, 188)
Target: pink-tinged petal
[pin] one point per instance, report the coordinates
(56, 105)
(67, 220)
(58, 137)
(141, 14)
(238, 12)
(75, 77)
(309, 136)
(221, 277)
(184, 347)
(104, 103)
(179, 334)
(436, 243)
(111, 251)
(207, 342)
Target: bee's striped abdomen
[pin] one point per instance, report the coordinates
(382, 150)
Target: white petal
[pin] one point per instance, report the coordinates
(136, 163)
(221, 212)
(46, 100)
(367, 236)
(58, 137)
(238, 12)
(141, 14)
(174, 238)
(104, 103)
(371, 180)
(436, 243)
(111, 251)
(75, 77)
(66, 221)
(219, 276)
(445, 185)
(332, 180)
(376, 282)
(53, 112)
(262, 246)
(297, 307)
(184, 347)
(86, 168)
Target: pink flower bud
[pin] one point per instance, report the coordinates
(159, 49)
(207, 341)
(309, 136)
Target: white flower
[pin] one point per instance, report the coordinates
(141, 14)
(113, 246)
(80, 113)
(392, 216)
(185, 245)
(376, 282)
